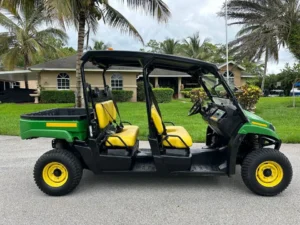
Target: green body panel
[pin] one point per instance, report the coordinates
(37, 128)
(250, 128)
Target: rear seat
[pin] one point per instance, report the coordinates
(106, 114)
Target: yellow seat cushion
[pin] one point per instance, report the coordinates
(158, 123)
(106, 113)
(128, 135)
(175, 141)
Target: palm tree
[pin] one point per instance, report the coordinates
(277, 21)
(86, 13)
(100, 45)
(192, 47)
(169, 46)
(23, 41)
(254, 42)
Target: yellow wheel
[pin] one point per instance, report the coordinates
(267, 172)
(57, 172)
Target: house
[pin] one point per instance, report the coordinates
(15, 79)
(60, 74)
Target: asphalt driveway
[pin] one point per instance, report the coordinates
(139, 200)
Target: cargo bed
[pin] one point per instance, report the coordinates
(62, 123)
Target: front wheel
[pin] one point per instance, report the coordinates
(57, 172)
(267, 172)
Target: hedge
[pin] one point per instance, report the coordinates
(122, 95)
(187, 89)
(163, 94)
(141, 97)
(140, 91)
(63, 96)
(186, 94)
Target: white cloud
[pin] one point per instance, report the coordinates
(188, 17)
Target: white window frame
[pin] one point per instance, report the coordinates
(59, 81)
(15, 84)
(231, 78)
(116, 82)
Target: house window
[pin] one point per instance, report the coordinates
(231, 78)
(63, 81)
(116, 82)
(16, 85)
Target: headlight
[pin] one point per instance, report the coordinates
(272, 127)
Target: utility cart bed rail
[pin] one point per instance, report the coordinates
(63, 123)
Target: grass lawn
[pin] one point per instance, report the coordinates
(10, 115)
(276, 110)
(286, 119)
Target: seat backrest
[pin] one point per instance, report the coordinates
(106, 113)
(157, 120)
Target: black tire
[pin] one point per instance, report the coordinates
(249, 171)
(71, 166)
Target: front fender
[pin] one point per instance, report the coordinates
(255, 129)
(264, 134)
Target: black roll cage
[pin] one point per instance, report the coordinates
(148, 66)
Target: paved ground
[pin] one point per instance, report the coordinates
(137, 200)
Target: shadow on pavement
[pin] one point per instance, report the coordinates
(91, 182)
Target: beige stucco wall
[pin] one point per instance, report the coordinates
(32, 84)
(237, 74)
(243, 81)
(49, 82)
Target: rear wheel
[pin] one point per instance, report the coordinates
(266, 172)
(57, 172)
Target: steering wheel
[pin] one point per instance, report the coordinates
(196, 108)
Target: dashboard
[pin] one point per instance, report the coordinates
(223, 119)
(217, 115)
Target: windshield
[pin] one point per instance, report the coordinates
(216, 89)
(214, 86)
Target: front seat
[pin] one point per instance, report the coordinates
(175, 137)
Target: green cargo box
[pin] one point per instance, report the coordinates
(68, 124)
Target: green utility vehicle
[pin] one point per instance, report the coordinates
(92, 139)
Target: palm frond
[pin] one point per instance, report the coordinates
(10, 58)
(116, 20)
(7, 22)
(169, 46)
(52, 32)
(156, 8)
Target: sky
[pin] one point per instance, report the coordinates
(188, 17)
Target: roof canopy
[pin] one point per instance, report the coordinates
(105, 59)
(17, 75)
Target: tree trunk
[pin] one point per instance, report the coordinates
(80, 44)
(265, 71)
(26, 63)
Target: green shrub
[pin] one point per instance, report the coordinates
(140, 91)
(141, 97)
(187, 89)
(55, 96)
(248, 96)
(163, 94)
(198, 93)
(122, 95)
(186, 94)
